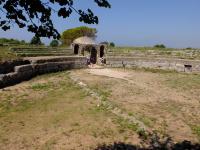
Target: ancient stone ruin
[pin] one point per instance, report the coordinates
(94, 52)
(87, 51)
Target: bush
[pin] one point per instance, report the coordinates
(54, 43)
(189, 48)
(112, 44)
(35, 41)
(160, 46)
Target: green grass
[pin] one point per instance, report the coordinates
(158, 52)
(62, 111)
(6, 54)
(183, 81)
(41, 86)
(196, 130)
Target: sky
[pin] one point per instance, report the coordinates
(175, 23)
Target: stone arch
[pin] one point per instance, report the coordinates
(76, 49)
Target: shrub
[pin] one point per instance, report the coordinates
(160, 46)
(35, 41)
(189, 48)
(112, 44)
(54, 43)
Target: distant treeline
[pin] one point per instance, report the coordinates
(5, 42)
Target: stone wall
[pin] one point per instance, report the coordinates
(40, 66)
(8, 66)
(180, 65)
(15, 72)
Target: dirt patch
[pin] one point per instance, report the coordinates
(148, 97)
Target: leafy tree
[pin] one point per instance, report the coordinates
(160, 46)
(36, 41)
(54, 43)
(70, 35)
(35, 15)
(112, 44)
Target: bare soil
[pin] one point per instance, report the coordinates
(168, 102)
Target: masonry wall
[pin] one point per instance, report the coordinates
(180, 65)
(40, 66)
(8, 66)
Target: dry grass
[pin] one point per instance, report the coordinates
(168, 102)
(51, 112)
(6, 54)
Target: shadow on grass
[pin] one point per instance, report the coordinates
(185, 145)
(153, 143)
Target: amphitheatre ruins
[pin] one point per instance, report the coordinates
(85, 48)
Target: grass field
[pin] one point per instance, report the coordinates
(168, 102)
(6, 54)
(155, 52)
(53, 112)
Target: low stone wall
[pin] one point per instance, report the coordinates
(180, 65)
(40, 66)
(15, 72)
(8, 66)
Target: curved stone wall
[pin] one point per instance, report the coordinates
(8, 66)
(180, 65)
(40, 66)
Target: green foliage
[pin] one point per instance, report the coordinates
(160, 46)
(70, 35)
(35, 41)
(189, 48)
(54, 43)
(112, 44)
(6, 54)
(196, 130)
(36, 15)
(5, 41)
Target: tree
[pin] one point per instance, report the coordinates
(70, 35)
(36, 41)
(112, 44)
(54, 43)
(35, 15)
(160, 46)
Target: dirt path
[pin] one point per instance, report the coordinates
(110, 73)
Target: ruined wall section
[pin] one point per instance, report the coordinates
(180, 65)
(40, 66)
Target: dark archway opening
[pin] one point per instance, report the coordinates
(93, 57)
(76, 49)
(102, 51)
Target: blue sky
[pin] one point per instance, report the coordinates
(175, 23)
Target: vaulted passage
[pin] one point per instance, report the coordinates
(102, 48)
(93, 56)
(76, 49)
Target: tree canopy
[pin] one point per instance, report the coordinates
(35, 41)
(54, 43)
(160, 46)
(35, 15)
(70, 35)
(112, 44)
